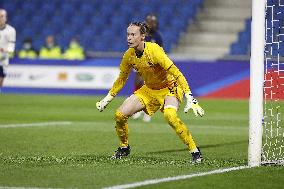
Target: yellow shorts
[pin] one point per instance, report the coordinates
(154, 100)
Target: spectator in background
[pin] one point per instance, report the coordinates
(154, 36)
(50, 50)
(28, 50)
(74, 51)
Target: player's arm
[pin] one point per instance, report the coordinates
(11, 41)
(125, 69)
(167, 64)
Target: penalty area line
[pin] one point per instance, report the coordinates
(40, 124)
(169, 179)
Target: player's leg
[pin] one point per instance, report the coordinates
(1, 81)
(138, 83)
(130, 106)
(170, 113)
(2, 76)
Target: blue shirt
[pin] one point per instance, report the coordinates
(155, 38)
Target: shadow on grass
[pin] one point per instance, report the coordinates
(202, 147)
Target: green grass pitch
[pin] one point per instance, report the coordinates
(77, 155)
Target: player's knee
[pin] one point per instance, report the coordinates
(170, 115)
(120, 118)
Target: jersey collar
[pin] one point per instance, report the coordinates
(139, 54)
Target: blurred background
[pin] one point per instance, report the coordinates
(195, 29)
(208, 39)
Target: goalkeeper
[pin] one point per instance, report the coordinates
(163, 89)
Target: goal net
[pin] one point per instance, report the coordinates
(273, 111)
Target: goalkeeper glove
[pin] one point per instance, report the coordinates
(192, 103)
(101, 105)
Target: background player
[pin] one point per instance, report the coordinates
(163, 89)
(7, 43)
(153, 35)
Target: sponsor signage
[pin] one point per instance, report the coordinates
(78, 77)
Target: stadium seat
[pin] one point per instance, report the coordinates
(9, 6)
(62, 42)
(29, 6)
(244, 37)
(96, 19)
(67, 8)
(87, 32)
(28, 32)
(100, 46)
(97, 22)
(87, 8)
(272, 36)
(239, 49)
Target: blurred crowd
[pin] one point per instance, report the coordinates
(51, 50)
(74, 51)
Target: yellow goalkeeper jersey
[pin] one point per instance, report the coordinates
(154, 66)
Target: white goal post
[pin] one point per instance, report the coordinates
(256, 82)
(266, 120)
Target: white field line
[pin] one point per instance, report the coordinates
(169, 179)
(40, 124)
(7, 187)
(100, 123)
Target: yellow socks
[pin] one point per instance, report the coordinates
(121, 128)
(180, 128)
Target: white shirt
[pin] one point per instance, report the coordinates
(7, 42)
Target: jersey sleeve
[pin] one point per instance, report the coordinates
(125, 68)
(163, 60)
(11, 41)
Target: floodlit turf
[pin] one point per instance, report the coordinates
(77, 155)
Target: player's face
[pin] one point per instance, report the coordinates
(3, 17)
(134, 36)
(152, 22)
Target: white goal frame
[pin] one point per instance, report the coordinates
(256, 82)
